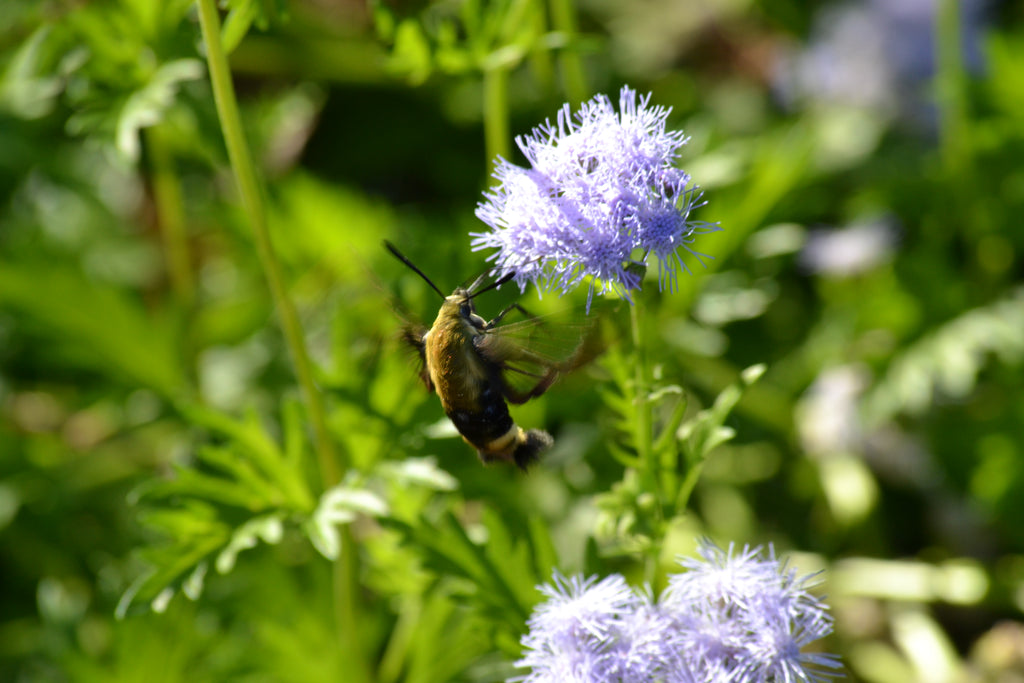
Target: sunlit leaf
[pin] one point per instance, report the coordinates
(146, 106)
(420, 472)
(411, 55)
(237, 24)
(268, 528)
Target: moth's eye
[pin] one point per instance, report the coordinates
(465, 311)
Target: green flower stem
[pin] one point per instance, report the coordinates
(643, 435)
(170, 211)
(563, 19)
(951, 89)
(345, 579)
(642, 423)
(346, 571)
(331, 469)
(957, 143)
(496, 127)
(170, 216)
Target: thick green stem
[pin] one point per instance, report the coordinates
(643, 435)
(951, 89)
(345, 575)
(170, 214)
(252, 200)
(331, 468)
(563, 19)
(956, 138)
(642, 423)
(496, 128)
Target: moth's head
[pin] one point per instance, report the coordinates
(458, 313)
(460, 303)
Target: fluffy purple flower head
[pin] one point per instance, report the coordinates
(569, 633)
(730, 618)
(601, 187)
(751, 616)
(591, 631)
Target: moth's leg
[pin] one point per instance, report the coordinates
(505, 311)
(518, 397)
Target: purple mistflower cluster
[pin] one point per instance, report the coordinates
(602, 187)
(730, 618)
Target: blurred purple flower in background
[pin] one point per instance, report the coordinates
(600, 185)
(850, 250)
(736, 618)
(877, 54)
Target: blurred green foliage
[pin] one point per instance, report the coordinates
(161, 512)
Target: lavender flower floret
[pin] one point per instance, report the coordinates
(601, 186)
(731, 618)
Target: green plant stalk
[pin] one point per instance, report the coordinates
(403, 634)
(686, 488)
(170, 216)
(642, 434)
(950, 86)
(956, 142)
(496, 127)
(170, 211)
(563, 19)
(345, 579)
(642, 422)
(331, 469)
(542, 64)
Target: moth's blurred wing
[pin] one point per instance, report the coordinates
(533, 353)
(413, 336)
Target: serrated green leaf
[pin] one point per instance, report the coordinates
(170, 563)
(324, 536)
(263, 452)
(703, 433)
(622, 456)
(146, 106)
(420, 472)
(666, 438)
(237, 24)
(450, 551)
(718, 436)
(383, 20)
(192, 587)
(411, 53)
(268, 528)
(342, 501)
(948, 359)
(193, 518)
(545, 556)
(511, 560)
(243, 475)
(162, 600)
(25, 88)
(191, 483)
(753, 373)
(491, 574)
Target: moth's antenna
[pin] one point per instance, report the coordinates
(404, 259)
(497, 283)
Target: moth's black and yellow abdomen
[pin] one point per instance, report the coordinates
(489, 428)
(536, 441)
